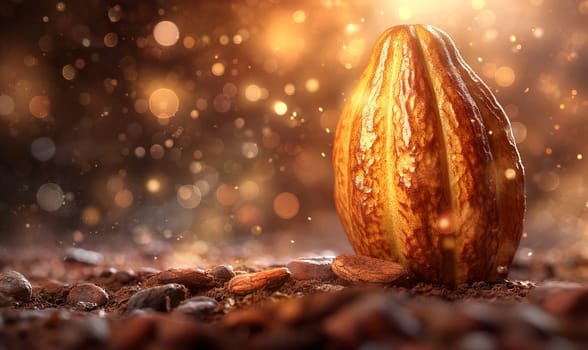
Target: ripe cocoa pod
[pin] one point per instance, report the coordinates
(427, 173)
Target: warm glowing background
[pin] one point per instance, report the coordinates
(203, 123)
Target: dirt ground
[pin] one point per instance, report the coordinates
(82, 299)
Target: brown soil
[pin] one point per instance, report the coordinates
(523, 311)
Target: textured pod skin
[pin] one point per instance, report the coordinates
(426, 168)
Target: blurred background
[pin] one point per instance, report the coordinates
(208, 125)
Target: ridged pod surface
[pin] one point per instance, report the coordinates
(426, 168)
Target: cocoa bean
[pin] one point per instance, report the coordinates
(197, 306)
(15, 286)
(318, 268)
(160, 298)
(191, 278)
(222, 272)
(250, 282)
(5, 301)
(357, 268)
(125, 276)
(87, 294)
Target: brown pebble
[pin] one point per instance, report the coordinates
(313, 268)
(149, 330)
(125, 276)
(293, 338)
(478, 340)
(250, 282)
(175, 333)
(107, 272)
(483, 315)
(134, 332)
(87, 294)
(83, 333)
(358, 268)
(247, 318)
(15, 286)
(191, 278)
(441, 319)
(571, 302)
(536, 318)
(309, 309)
(83, 256)
(369, 318)
(222, 272)
(160, 298)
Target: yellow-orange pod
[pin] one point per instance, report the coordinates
(426, 168)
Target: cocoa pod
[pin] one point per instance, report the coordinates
(427, 173)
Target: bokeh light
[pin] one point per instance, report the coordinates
(255, 89)
(157, 151)
(218, 69)
(153, 185)
(478, 4)
(110, 39)
(50, 197)
(404, 13)
(189, 196)
(6, 105)
(504, 76)
(249, 150)
(289, 89)
(249, 190)
(43, 149)
(91, 216)
(286, 205)
(226, 195)
(164, 103)
(510, 174)
(298, 16)
(39, 106)
(166, 33)
(115, 13)
(69, 72)
(253, 93)
(312, 85)
(280, 108)
(123, 198)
